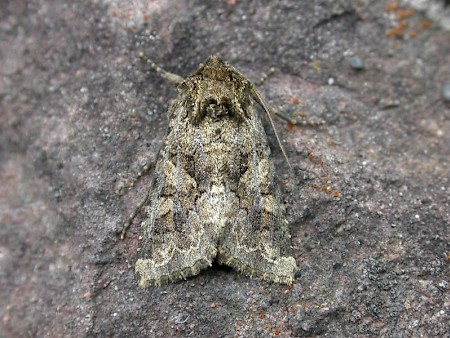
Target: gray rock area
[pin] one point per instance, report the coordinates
(368, 199)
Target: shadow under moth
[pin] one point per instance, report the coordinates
(214, 193)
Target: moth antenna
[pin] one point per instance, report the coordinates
(266, 108)
(171, 77)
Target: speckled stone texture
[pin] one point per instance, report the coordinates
(80, 115)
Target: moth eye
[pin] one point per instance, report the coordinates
(216, 108)
(227, 104)
(211, 102)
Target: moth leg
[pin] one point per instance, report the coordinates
(131, 218)
(297, 122)
(265, 76)
(144, 170)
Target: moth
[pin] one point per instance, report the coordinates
(214, 194)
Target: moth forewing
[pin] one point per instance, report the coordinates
(214, 195)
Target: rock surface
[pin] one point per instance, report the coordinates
(80, 115)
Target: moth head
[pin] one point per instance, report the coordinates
(216, 69)
(218, 91)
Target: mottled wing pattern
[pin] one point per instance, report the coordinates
(214, 192)
(174, 242)
(257, 241)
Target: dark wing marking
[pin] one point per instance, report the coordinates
(175, 243)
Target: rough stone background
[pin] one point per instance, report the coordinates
(80, 115)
